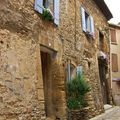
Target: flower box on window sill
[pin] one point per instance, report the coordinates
(103, 59)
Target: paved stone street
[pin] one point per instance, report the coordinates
(111, 114)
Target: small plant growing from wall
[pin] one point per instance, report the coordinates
(76, 91)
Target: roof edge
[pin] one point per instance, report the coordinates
(104, 8)
(114, 25)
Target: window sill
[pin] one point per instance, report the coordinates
(114, 43)
(89, 36)
(115, 71)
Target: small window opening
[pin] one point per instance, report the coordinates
(101, 41)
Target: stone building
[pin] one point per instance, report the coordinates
(115, 61)
(37, 56)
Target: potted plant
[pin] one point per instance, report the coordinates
(46, 14)
(76, 91)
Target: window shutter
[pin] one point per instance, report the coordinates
(68, 71)
(113, 36)
(39, 6)
(114, 63)
(56, 11)
(91, 26)
(83, 19)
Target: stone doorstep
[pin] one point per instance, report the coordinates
(107, 107)
(107, 112)
(50, 118)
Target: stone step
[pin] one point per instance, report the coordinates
(107, 107)
(50, 118)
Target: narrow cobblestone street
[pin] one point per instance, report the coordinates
(111, 114)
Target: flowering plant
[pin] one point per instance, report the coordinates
(103, 58)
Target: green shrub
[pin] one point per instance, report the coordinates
(76, 103)
(76, 90)
(46, 15)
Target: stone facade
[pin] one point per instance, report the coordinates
(115, 62)
(28, 44)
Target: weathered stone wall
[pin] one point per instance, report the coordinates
(18, 78)
(22, 31)
(82, 50)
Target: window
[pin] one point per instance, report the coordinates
(72, 71)
(48, 4)
(113, 36)
(87, 22)
(101, 41)
(45, 3)
(114, 63)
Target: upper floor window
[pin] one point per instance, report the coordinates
(113, 36)
(45, 3)
(87, 22)
(51, 5)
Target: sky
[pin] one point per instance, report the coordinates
(114, 6)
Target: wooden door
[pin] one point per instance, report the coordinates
(103, 81)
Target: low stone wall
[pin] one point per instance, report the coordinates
(78, 114)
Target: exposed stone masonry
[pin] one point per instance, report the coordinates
(22, 31)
